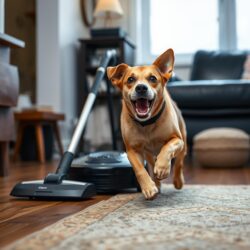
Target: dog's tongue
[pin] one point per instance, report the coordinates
(142, 106)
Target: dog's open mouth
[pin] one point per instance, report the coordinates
(142, 107)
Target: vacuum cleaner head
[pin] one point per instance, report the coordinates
(110, 171)
(65, 190)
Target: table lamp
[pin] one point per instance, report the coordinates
(109, 10)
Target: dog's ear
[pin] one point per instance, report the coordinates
(165, 63)
(115, 74)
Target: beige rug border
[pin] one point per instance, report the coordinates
(79, 221)
(51, 235)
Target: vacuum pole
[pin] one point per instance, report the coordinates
(68, 156)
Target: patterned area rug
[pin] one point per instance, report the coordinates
(197, 217)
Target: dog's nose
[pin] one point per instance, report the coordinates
(141, 89)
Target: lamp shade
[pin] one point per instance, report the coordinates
(113, 7)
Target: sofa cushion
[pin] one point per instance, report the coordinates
(209, 65)
(211, 94)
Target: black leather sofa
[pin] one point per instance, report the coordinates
(215, 96)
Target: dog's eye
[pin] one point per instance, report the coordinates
(131, 79)
(152, 79)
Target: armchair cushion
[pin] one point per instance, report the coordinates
(9, 85)
(209, 65)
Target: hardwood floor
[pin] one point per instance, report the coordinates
(19, 217)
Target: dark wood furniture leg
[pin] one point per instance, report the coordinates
(40, 142)
(4, 158)
(18, 141)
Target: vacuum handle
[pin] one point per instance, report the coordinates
(101, 70)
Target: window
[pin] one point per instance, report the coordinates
(180, 24)
(190, 25)
(243, 24)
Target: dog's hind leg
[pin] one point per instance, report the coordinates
(178, 177)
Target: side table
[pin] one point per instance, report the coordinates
(38, 119)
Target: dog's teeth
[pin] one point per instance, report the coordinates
(142, 106)
(142, 113)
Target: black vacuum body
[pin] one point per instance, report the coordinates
(109, 171)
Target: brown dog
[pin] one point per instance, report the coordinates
(152, 126)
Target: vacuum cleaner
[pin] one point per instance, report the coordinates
(55, 185)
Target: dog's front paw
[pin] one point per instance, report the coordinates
(150, 191)
(162, 170)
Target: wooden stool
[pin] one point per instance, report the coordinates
(38, 119)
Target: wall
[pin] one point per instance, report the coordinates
(71, 29)
(48, 54)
